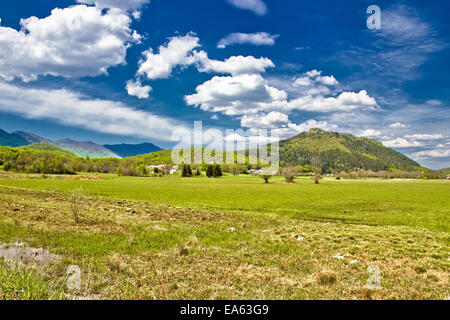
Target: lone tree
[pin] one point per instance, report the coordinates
(268, 173)
(289, 174)
(266, 177)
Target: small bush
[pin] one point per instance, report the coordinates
(317, 177)
(289, 174)
(266, 177)
(76, 203)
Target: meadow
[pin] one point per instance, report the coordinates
(228, 238)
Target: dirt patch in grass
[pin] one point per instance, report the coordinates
(21, 252)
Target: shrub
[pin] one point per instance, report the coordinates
(317, 177)
(289, 174)
(127, 167)
(234, 170)
(76, 203)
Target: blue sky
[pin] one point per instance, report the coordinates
(117, 71)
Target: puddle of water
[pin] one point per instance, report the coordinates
(21, 252)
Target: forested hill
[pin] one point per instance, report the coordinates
(341, 151)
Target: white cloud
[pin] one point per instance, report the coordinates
(71, 42)
(177, 52)
(425, 136)
(307, 125)
(234, 65)
(292, 129)
(401, 143)
(270, 120)
(257, 39)
(302, 82)
(136, 89)
(328, 80)
(370, 133)
(126, 5)
(314, 76)
(346, 101)
(436, 153)
(434, 102)
(73, 109)
(313, 73)
(397, 125)
(257, 6)
(237, 95)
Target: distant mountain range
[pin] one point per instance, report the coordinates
(331, 151)
(131, 150)
(81, 149)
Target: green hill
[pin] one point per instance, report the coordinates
(43, 146)
(341, 151)
(333, 152)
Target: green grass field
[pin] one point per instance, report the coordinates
(230, 238)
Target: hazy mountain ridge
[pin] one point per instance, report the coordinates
(11, 139)
(130, 150)
(82, 149)
(85, 149)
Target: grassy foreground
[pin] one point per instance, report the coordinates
(229, 238)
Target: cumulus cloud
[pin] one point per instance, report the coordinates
(435, 153)
(397, 125)
(73, 109)
(234, 65)
(71, 42)
(302, 82)
(346, 101)
(401, 143)
(313, 73)
(271, 120)
(177, 52)
(257, 6)
(327, 80)
(257, 39)
(237, 95)
(370, 133)
(126, 5)
(313, 77)
(136, 89)
(425, 136)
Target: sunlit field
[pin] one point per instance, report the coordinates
(227, 238)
